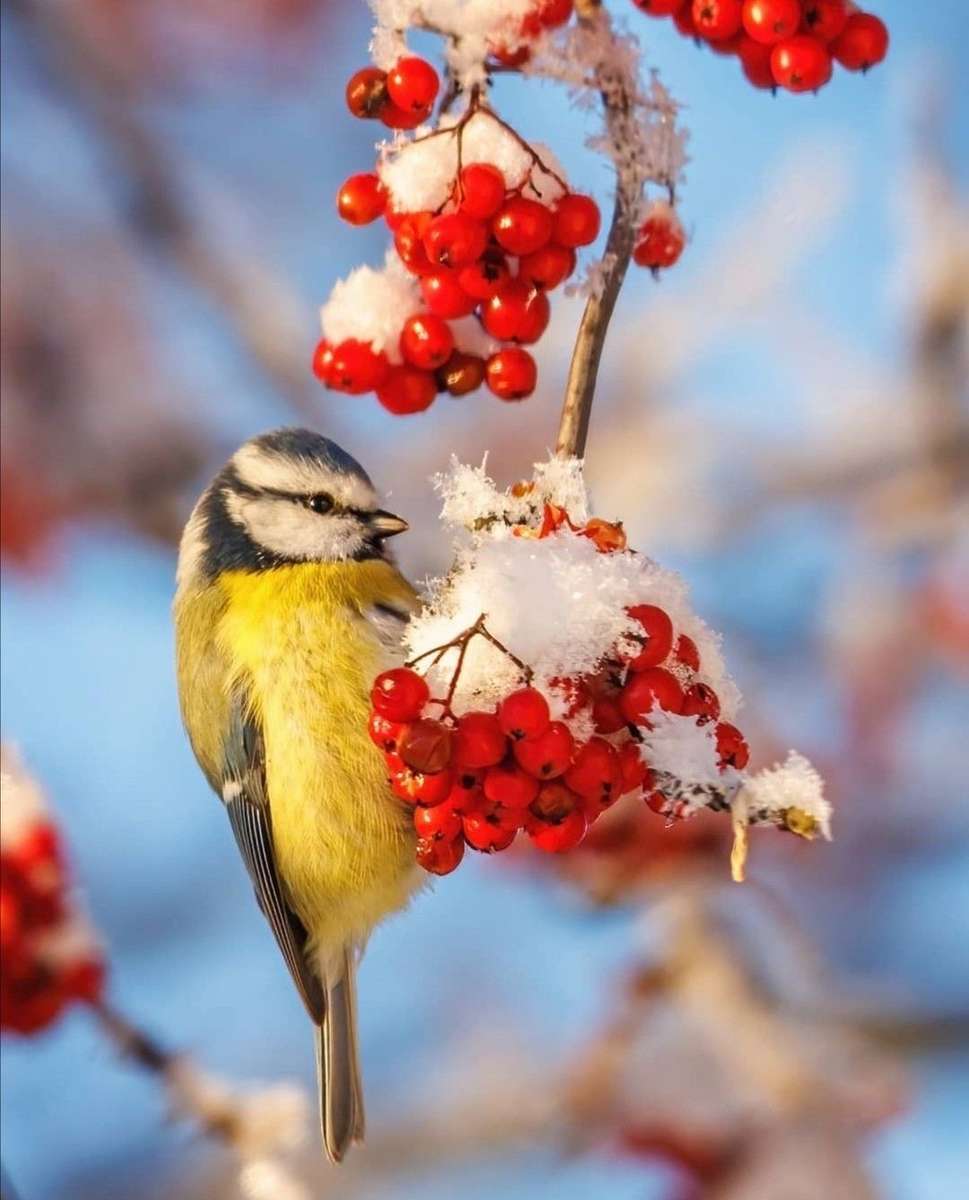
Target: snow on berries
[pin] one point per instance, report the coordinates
(793, 44)
(51, 957)
(554, 671)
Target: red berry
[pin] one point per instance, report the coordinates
(548, 267)
(425, 745)
(516, 313)
(455, 239)
(576, 221)
(683, 20)
(511, 373)
(483, 278)
(466, 794)
(658, 629)
(441, 821)
(717, 20)
(426, 341)
(825, 19)
(407, 390)
(395, 117)
(594, 772)
(547, 755)
(357, 368)
(361, 199)
(686, 652)
(511, 57)
(648, 688)
(385, 733)
(556, 821)
(485, 831)
(863, 42)
(732, 746)
(481, 190)
(439, 857)
(522, 226)
(607, 715)
(409, 242)
(660, 241)
(478, 741)
(755, 59)
(461, 374)
(323, 361)
(444, 295)
(412, 84)
(554, 13)
(801, 63)
(400, 694)
(366, 92)
(659, 8)
(510, 786)
(524, 714)
(701, 701)
(658, 803)
(418, 787)
(769, 21)
(633, 771)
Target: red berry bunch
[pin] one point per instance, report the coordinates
(402, 98)
(792, 44)
(50, 959)
(479, 778)
(544, 15)
(489, 252)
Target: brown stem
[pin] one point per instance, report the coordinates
(584, 368)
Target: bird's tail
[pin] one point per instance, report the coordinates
(337, 1062)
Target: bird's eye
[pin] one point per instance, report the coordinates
(320, 503)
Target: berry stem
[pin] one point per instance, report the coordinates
(461, 643)
(584, 368)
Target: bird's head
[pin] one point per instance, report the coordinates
(286, 496)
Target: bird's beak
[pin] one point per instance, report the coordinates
(384, 524)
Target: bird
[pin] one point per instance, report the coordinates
(288, 603)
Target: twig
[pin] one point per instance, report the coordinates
(584, 368)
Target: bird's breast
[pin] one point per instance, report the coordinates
(305, 653)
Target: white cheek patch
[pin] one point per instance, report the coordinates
(260, 469)
(287, 528)
(191, 549)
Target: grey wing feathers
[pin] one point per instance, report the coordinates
(244, 793)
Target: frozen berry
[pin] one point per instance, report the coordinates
(440, 821)
(524, 714)
(481, 190)
(395, 117)
(659, 240)
(863, 42)
(633, 771)
(522, 226)
(461, 374)
(577, 221)
(407, 390)
(484, 831)
(607, 716)
(717, 20)
(769, 21)
(409, 242)
(686, 653)
(510, 786)
(483, 278)
(478, 741)
(801, 63)
(419, 787)
(548, 267)
(556, 821)
(825, 19)
(755, 59)
(323, 361)
(455, 239)
(361, 199)
(658, 633)
(645, 690)
(366, 92)
(594, 772)
(547, 755)
(732, 746)
(426, 341)
(400, 694)
(425, 745)
(444, 295)
(511, 373)
(357, 368)
(701, 701)
(385, 733)
(439, 857)
(412, 84)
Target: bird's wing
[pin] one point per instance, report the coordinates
(247, 803)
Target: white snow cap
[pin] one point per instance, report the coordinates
(556, 602)
(420, 173)
(793, 784)
(372, 305)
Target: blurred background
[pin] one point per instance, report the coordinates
(783, 418)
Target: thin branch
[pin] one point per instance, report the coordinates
(584, 368)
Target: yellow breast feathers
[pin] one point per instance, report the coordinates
(298, 639)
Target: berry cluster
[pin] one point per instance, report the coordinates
(490, 251)
(792, 44)
(49, 958)
(480, 777)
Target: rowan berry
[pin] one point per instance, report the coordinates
(547, 755)
(511, 373)
(361, 199)
(478, 741)
(646, 689)
(658, 629)
(399, 694)
(407, 390)
(426, 341)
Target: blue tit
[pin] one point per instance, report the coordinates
(288, 605)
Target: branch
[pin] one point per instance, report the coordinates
(584, 368)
